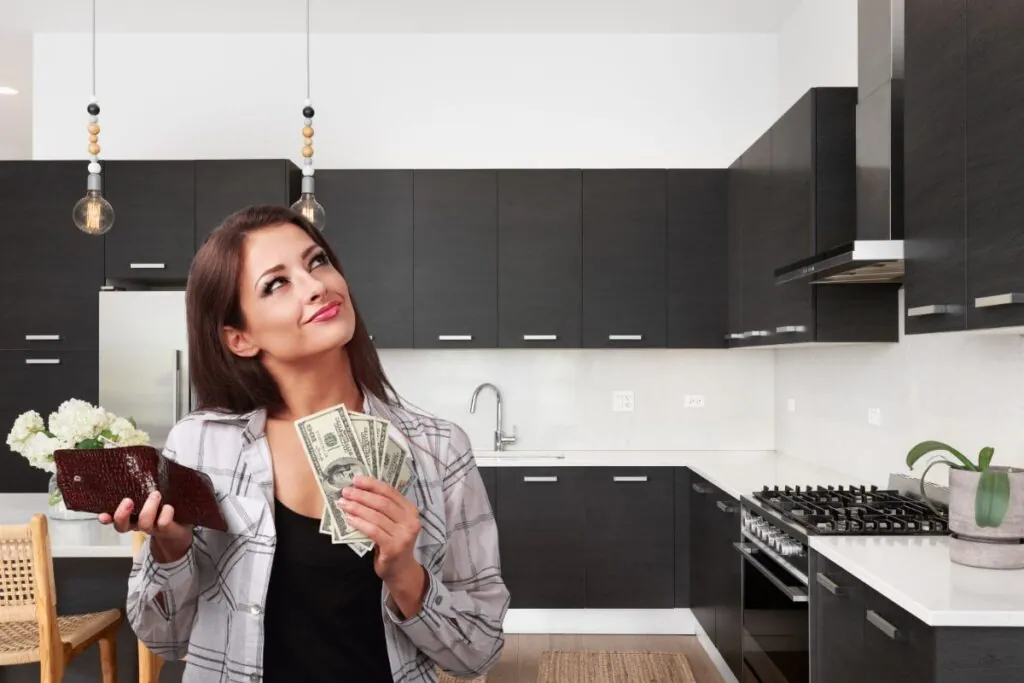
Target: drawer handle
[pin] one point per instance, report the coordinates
(791, 329)
(146, 266)
(701, 489)
(639, 478)
(828, 584)
(42, 361)
(539, 480)
(42, 337)
(757, 333)
(1007, 299)
(625, 337)
(933, 309)
(540, 337)
(876, 620)
(734, 335)
(725, 507)
(454, 337)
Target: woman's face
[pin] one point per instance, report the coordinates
(294, 302)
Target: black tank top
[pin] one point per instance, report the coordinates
(323, 611)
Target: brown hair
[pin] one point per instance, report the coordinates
(222, 380)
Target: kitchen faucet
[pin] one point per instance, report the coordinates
(500, 439)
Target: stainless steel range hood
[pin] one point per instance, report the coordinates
(875, 254)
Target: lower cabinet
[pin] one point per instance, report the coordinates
(859, 636)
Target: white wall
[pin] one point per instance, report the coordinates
(817, 47)
(16, 110)
(413, 100)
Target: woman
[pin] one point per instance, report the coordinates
(274, 335)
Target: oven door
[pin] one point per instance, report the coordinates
(775, 618)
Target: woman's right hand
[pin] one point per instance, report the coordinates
(170, 540)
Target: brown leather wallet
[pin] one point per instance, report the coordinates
(97, 480)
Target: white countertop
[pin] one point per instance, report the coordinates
(68, 538)
(915, 573)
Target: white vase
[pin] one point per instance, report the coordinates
(59, 511)
(999, 547)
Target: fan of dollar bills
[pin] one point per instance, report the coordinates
(341, 445)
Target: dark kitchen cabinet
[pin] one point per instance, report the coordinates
(837, 623)
(456, 258)
(624, 264)
(489, 475)
(758, 216)
(370, 227)
(630, 541)
(44, 380)
(539, 258)
(697, 249)
(995, 172)
(153, 238)
(703, 567)
(935, 128)
(734, 257)
(224, 186)
(541, 527)
(683, 528)
(50, 272)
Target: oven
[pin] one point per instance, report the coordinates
(774, 603)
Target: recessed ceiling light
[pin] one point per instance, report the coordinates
(7, 90)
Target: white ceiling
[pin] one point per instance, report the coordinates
(398, 16)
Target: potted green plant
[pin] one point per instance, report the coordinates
(986, 506)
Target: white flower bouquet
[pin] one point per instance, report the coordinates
(76, 424)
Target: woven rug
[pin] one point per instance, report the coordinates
(445, 677)
(614, 667)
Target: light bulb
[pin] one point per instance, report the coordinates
(93, 214)
(308, 206)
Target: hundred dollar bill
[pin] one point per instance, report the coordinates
(331, 445)
(366, 435)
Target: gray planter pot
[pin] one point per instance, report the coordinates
(1000, 547)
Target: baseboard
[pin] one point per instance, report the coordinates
(716, 657)
(601, 621)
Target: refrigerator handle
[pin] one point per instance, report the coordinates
(176, 389)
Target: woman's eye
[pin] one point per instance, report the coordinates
(318, 260)
(272, 285)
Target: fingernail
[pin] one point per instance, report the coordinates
(347, 491)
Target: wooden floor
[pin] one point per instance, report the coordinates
(521, 657)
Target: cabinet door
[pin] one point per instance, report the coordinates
(541, 524)
(727, 580)
(734, 266)
(50, 272)
(630, 544)
(897, 645)
(456, 259)
(995, 171)
(697, 244)
(370, 228)
(44, 380)
(758, 269)
(934, 136)
(153, 238)
(224, 186)
(683, 529)
(837, 623)
(490, 479)
(702, 553)
(539, 258)
(624, 258)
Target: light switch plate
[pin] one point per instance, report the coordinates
(791, 405)
(875, 416)
(694, 401)
(622, 401)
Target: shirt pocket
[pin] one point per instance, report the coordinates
(247, 516)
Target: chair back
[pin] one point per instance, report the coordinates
(27, 590)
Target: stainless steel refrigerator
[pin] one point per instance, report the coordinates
(144, 359)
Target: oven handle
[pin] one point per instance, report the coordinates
(791, 592)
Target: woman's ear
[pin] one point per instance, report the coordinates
(238, 343)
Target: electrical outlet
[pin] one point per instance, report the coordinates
(694, 401)
(791, 405)
(622, 401)
(875, 416)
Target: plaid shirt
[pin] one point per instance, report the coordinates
(211, 607)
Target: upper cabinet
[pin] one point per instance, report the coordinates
(50, 272)
(224, 186)
(370, 227)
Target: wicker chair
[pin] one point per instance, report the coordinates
(30, 629)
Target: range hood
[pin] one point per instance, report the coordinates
(875, 254)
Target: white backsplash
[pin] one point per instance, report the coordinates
(562, 399)
(966, 390)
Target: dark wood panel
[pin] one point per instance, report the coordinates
(683, 531)
(489, 475)
(836, 623)
(835, 174)
(224, 186)
(703, 568)
(697, 247)
(540, 269)
(857, 313)
(758, 229)
(370, 226)
(734, 259)
(624, 263)
(456, 259)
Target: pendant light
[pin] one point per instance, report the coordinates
(307, 205)
(93, 214)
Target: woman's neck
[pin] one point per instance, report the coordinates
(317, 385)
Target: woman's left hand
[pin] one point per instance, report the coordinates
(389, 519)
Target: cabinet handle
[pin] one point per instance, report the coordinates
(999, 300)
(933, 309)
(791, 329)
(701, 489)
(828, 584)
(725, 507)
(640, 478)
(794, 593)
(876, 620)
(454, 337)
(539, 480)
(146, 266)
(42, 337)
(42, 361)
(625, 337)
(540, 337)
(176, 388)
(757, 333)
(735, 335)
